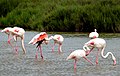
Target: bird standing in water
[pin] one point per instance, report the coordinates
(58, 39)
(100, 44)
(76, 55)
(39, 39)
(15, 32)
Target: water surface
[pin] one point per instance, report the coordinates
(55, 64)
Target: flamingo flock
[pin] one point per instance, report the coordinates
(42, 38)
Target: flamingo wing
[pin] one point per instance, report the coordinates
(38, 38)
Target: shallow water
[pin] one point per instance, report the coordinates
(55, 64)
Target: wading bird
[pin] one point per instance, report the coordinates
(94, 34)
(7, 31)
(39, 39)
(100, 44)
(76, 55)
(15, 32)
(59, 40)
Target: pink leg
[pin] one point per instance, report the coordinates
(97, 56)
(59, 48)
(41, 52)
(88, 60)
(53, 47)
(16, 47)
(9, 40)
(36, 56)
(114, 61)
(75, 65)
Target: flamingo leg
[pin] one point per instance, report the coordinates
(11, 44)
(9, 40)
(59, 48)
(36, 56)
(16, 47)
(88, 60)
(41, 52)
(75, 65)
(97, 56)
(53, 47)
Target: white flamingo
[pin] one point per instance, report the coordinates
(59, 40)
(100, 44)
(39, 39)
(94, 34)
(7, 31)
(76, 55)
(15, 32)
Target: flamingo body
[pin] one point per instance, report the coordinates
(77, 54)
(94, 34)
(38, 37)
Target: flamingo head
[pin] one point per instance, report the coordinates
(86, 48)
(95, 30)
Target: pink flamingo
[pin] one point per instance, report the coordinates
(59, 40)
(94, 34)
(7, 31)
(76, 55)
(39, 39)
(15, 32)
(100, 44)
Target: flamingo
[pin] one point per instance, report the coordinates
(94, 34)
(100, 44)
(7, 31)
(59, 40)
(39, 39)
(15, 32)
(76, 55)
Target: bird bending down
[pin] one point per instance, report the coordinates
(59, 40)
(100, 44)
(15, 32)
(76, 55)
(39, 39)
(94, 34)
(7, 31)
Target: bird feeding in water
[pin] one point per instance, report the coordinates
(39, 39)
(100, 44)
(15, 32)
(58, 39)
(76, 55)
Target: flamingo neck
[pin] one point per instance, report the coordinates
(105, 56)
(51, 37)
(23, 47)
